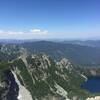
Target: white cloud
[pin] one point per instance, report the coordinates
(10, 32)
(31, 32)
(38, 32)
(14, 33)
(35, 30)
(1, 31)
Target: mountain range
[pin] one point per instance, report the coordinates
(77, 54)
(47, 70)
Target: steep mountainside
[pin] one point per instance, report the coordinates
(46, 79)
(91, 43)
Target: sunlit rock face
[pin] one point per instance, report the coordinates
(94, 98)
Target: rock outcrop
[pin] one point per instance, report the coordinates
(41, 78)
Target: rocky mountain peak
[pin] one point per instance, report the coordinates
(64, 63)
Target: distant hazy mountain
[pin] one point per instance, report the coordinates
(84, 53)
(16, 41)
(93, 43)
(78, 54)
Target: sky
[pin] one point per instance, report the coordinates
(47, 19)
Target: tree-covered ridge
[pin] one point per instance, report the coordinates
(46, 78)
(41, 75)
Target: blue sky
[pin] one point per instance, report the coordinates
(66, 19)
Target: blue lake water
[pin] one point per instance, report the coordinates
(92, 84)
